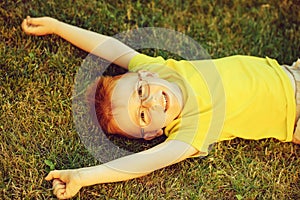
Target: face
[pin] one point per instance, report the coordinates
(143, 104)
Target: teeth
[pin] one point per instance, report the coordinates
(164, 101)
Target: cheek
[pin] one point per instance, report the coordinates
(158, 119)
(124, 122)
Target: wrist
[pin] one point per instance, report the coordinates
(86, 176)
(54, 24)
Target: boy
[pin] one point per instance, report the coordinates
(180, 99)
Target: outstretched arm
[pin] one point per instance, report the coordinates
(103, 46)
(67, 183)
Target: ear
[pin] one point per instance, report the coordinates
(153, 134)
(145, 73)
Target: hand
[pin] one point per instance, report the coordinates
(66, 183)
(39, 26)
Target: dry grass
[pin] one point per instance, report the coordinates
(37, 76)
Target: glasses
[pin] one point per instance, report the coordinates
(143, 91)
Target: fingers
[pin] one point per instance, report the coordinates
(59, 188)
(37, 26)
(57, 182)
(27, 23)
(64, 184)
(28, 27)
(24, 25)
(35, 21)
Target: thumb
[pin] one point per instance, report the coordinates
(52, 175)
(36, 21)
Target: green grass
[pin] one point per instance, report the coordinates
(37, 76)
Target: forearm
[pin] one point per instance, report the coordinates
(103, 46)
(105, 174)
(84, 39)
(121, 169)
(136, 165)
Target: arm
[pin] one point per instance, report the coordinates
(68, 182)
(103, 46)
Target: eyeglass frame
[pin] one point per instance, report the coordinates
(142, 83)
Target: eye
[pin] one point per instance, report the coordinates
(143, 116)
(140, 91)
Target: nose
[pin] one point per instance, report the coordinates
(152, 101)
(149, 102)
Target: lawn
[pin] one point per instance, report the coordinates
(37, 74)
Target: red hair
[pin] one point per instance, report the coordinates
(98, 97)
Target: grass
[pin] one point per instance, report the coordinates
(37, 75)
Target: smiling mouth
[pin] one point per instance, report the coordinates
(165, 102)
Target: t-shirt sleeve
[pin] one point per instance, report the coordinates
(144, 62)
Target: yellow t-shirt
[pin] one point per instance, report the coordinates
(237, 96)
